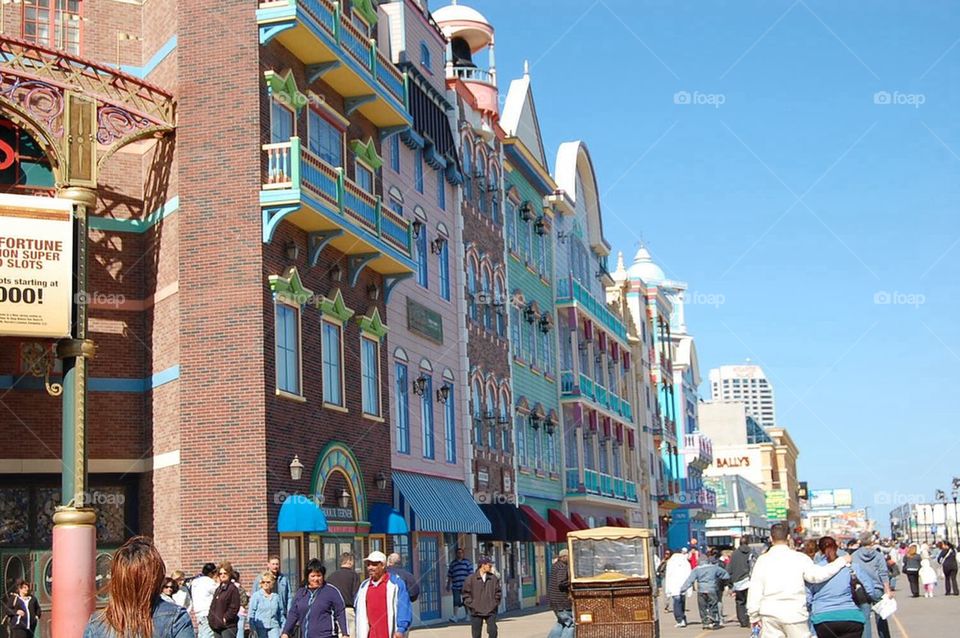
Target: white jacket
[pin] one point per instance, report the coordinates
(777, 584)
(678, 569)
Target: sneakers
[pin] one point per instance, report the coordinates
(682, 623)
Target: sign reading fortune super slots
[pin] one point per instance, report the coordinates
(36, 266)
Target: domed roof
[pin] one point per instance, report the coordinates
(644, 268)
(458, 12)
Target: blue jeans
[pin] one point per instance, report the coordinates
(678, 609)
(564, 627)
(203, 627)
(883, 628)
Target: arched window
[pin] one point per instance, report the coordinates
(467, 168)
(499, 303)
(424, 56)
(476, 400)
(481, 181)
(494, 190)
(488, 307)
(471, 290)
(490, 418)
(504, 421)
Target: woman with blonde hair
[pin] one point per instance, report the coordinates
(135, 609)
(267, 614)
(911, 567)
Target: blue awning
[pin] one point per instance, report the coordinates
(440, 505)
(300, 514)
(386, 520)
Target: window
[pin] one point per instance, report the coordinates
(467, 176)
(503, 423)
(523, 238)
(499, 301)
(396, 206)
(476, 402)
(529, 345)
(364, 177)
(494, 191)
(424, 56)
(403, 409)
(53, 24)
(281, 122)
(488, 307)
(370, 376)
(471, 291)
(426, 417)
(325, 140)
(395, 153)
(490, 415)
(537, 448)
(544, 350)
(589, 458)
(515, 331)
(287, 328)
(511, 219)
(541, 255)
(441, 192)
(418, 171)
(450, 425)
(617, 467)
(422, 257)
(444, 267)
(520, 425)
(603, 456)
(331, 370)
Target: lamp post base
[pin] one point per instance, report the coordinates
(74, 570)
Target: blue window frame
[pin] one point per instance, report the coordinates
(370, 376)
(441, 192)
(426, 416)
(281, 122)
(364, 177)
(287, 328)
(332, 370)
(395, 153)
(418, 171)
(324, 139)
(403, 409)
(450, 426)
(424, 56)
(422, 258)
(444, 259)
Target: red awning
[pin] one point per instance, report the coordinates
(606, 428)
(593, 421)
(619, 433)
(561, 523)
(541, 530)
(626, 360)
(630, 441)
(612, 522)
(621, 522)
(579, 521)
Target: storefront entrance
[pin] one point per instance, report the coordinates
(428, 552)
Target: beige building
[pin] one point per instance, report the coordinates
(765, 456)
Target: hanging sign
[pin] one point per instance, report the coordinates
(36, 266)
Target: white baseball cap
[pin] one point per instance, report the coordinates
(376, 557)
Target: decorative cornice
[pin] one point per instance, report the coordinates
(334, 307)
(366, 152)
(285, 87)
(371, 324)
(288, 287)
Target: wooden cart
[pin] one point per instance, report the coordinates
(611, 583)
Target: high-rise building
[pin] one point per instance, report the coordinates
(745, 383)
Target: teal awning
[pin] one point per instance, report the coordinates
(300, 514)
(440, 504)
(386, 520)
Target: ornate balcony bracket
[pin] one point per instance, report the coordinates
(318, 240)
(317, 71)
(389, 131)
(390, 282)
(351, 104)
(272, 216)
(269, 31)
(356, 264)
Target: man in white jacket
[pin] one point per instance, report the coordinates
(777, 600)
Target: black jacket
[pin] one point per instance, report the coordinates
(347, 581)
(413, 587)
(481, 597)
(741, 563)
(558, 588)
(225, 607)
(911, 564)
(12, 602)
(948, 559)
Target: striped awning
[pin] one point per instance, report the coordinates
(439, 505)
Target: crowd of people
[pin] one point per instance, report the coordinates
(817, 588)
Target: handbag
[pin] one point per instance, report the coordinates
(860, 594)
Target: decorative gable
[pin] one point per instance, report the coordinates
(366, 152)
(334, 307)
(288, 287)
(366, 10)
(284, 88)
(371, 324)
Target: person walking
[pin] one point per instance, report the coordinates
(457, 572)
(134, 608)
(558, 595)
(948, 563)
(481, 597)
(739, 568)
(928, 577)
(201, 594)
(347, 581)
(395, 567)
(677, 572)
(22, 611)
(317, 607)
(382, 605)
(833, 612)
(870, 566)
(267, 614)
(710, 579)
(224, 612)
(283, 588)
(911, 567)
(777, 598)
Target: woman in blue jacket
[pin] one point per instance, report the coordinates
(316, 607)
(833, 612)
(266, 612)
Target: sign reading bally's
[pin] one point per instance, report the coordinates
(36, 266)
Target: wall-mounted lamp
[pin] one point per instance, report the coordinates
(535, 421)
(344, 499)
(540, 226)
(296, 468)
(546, 322)
(420, 385)
(417, 226)
(443, 393)
(529, 313)
(373, 292)
(335, 273)
(562, 236)
(381, 480)
(291, 250)
(437, 245)
(490, 418)
(526, 211)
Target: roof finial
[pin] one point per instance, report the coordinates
(526, 68)
(620, 260)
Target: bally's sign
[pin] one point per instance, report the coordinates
(734, 461)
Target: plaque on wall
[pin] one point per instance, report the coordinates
(425, 322)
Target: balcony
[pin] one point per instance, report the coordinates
(597, 484)
(301, 188)
(571, 293)
(599, 396)
(333, 48)
(698, 450)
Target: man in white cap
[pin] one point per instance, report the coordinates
(383, 605)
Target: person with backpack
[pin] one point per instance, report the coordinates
(870, 567)
(739, 568)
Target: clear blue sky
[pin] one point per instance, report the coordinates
(794, 203)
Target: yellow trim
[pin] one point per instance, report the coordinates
(535, 163)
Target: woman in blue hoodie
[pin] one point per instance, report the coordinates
(316, 607)
(833, 612)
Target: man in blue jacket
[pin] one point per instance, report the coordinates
(710, 579)
(870, 566)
